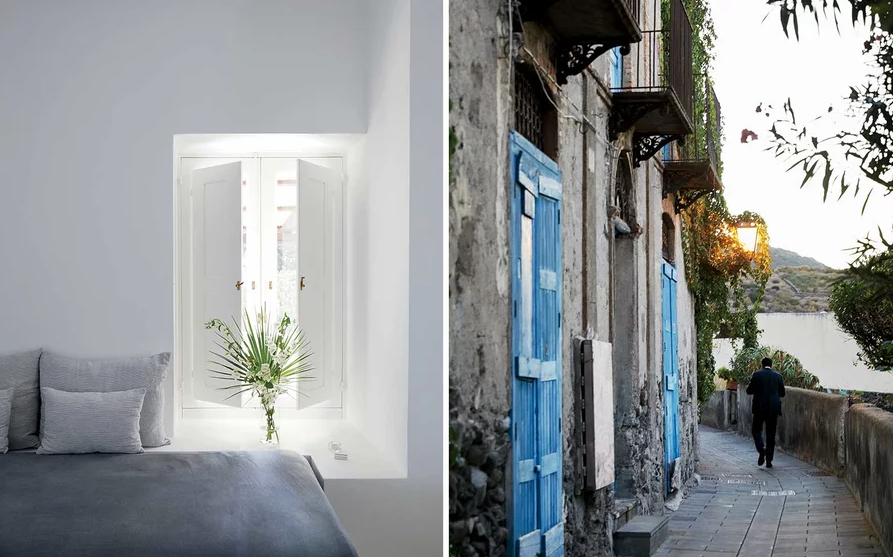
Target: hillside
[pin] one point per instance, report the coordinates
(785, 258)
(798, 284)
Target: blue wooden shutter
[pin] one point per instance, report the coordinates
(525, 523)
(535, 514)
(616, 68)
(671, 365)
(548, 334)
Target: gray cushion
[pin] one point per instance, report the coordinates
(103, 376)
(79, 423)
(19, 371)
(5, 411)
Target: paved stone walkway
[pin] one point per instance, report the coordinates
(740, 509)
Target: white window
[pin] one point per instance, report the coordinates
(261, 232)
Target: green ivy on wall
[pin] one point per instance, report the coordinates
(715, 266)
(715, 262)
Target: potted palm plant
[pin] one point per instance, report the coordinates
(749, 360)
(264, 358)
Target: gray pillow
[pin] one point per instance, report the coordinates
(5, 411)
(19, 371)
(79, 423)
(103, 376)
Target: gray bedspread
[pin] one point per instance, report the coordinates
(215, 504)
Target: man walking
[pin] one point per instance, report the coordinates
(767, 388)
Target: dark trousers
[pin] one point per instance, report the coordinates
(771, 421)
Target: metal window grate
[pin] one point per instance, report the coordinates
(530, 105)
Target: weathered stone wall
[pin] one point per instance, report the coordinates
(869, 466)
(477, 483)
(479, 282)
(810, 428)
(715, 412)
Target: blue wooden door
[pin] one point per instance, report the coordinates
(536, 517)
(671, 365)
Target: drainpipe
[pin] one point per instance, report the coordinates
(585, 203)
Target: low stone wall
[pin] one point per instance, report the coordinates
(810, 428)
(869, 466)
(745, 417)
(715, 412)
(853, 442)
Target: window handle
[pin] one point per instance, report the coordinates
(271, 285)
(239, 285)
(302, 283)
(253, 285)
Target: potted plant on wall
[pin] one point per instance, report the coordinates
(726, 373)
(263, 358)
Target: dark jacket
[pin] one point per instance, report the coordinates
(767, 388)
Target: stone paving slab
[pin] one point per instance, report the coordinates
(743, 510)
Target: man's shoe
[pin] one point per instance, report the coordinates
(768, 465)
(761, 460)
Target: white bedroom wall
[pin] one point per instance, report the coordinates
(378, 233)
(91, 96)
(404, 518)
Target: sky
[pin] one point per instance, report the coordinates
(756, 64)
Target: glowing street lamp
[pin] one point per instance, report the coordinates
(747, 236)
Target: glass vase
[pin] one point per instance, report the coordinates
(268, 426)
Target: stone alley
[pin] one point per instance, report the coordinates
(740, 509)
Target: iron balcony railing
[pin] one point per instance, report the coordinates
(701, 146)
(662, 61)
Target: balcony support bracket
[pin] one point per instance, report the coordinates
(573, 59)
(646, 146)
(624, 116)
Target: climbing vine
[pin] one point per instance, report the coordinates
(716, 264)
(716, 267)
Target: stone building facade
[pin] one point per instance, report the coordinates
(618, 225)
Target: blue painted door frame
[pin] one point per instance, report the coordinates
(536, 526)
(616, 68)
(671, 365)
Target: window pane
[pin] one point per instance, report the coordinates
(287, 244)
